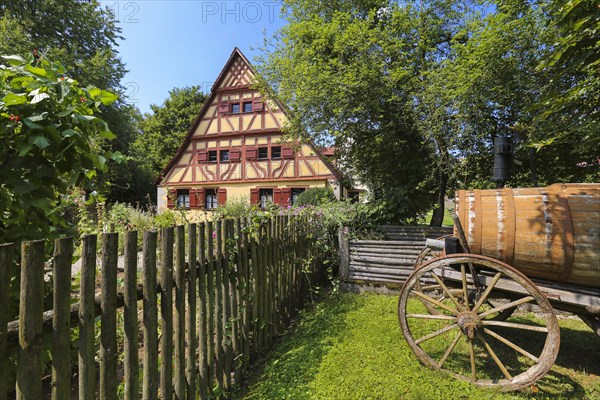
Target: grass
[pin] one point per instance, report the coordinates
(350, 347)
(447, 221)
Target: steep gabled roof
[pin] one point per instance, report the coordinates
(213, 93)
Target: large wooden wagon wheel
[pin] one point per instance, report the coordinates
(456, 334)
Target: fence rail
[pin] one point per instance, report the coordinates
(384, 261)
(212, 297)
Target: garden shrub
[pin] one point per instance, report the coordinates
(315, 197)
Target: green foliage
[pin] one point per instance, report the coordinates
(162, 132)
(51, 142)
(315, 197)
(350, 347)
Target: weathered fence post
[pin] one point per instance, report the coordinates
(108, 317)
(130, 360)
(166, 313)
(210, 306)
(203, 310)
(5, 265)
(87, 364)
(61, 321)
(190, 366)
(31, 309)
(344, 254)
(150, 378)
(179, 318)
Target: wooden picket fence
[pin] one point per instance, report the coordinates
(213, 297)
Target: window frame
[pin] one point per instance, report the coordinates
(231, 108)
(295, 189)
(210, 154)
(244, 104)
(273, 157)
(183, 198)
(263, 203)
(266, 151)
(211, 201)
(222, 153)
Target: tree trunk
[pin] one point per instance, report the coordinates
(438, 212)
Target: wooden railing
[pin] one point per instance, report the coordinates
(213, 296)
(387, 262)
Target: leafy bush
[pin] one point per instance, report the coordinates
(315, 197)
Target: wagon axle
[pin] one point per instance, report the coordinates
(469, 323)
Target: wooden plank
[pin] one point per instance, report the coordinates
(108, 317)
(130, 322)
(227, 314)
(210, 288)
(344, 252)
(150, 326)
(179, 317)
(6, 253)
(254, 255)
(86, 357)
(203, 332)
(61, 322)
(31, 308)
(247, 312)
(166, 313)
(190, 318)
(219, 304)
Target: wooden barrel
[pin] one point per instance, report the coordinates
(551, 233)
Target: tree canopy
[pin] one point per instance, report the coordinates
(414, 93)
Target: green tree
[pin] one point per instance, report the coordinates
(51, 142)
(345, 70)
(162, 132)
(84, 36)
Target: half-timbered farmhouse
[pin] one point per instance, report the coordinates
(234, 150)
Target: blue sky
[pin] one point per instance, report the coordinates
(176, 43)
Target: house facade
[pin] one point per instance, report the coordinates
(234, 149)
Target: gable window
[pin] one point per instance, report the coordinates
(211, 199)
(224, 155)
(235, 108)
(295, 193)
(212, 156)
(263, 153)
(265, 197)
(276, 152)
(247, 106)
(183, 198)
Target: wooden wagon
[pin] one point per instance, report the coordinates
(481, 305)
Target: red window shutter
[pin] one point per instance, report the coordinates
(253, 196)
(257, 104)
(222, 196)
(171, 198)
(287, 152)
(202, 156)
(193, 198)
(250, 153)
(235, 155)
(223, 108)
(286, 194)
(200, 198)
(277, 196)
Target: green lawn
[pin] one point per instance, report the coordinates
(350, 347)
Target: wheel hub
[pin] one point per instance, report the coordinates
(470, 323)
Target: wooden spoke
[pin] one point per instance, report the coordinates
(534, 328)
(430, 287)
(487, 292)
(436, 333)
(445, 289)
(464, 287)
(506, 306)
(510, 344)
(472, 354)
(437, 303)
(495, 357)
(429, 316)
(450, 348)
